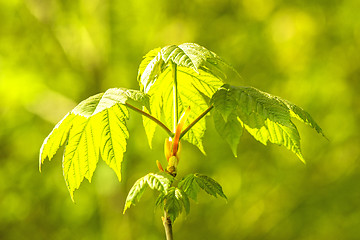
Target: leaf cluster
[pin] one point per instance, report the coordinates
(171, 79)
(173, 199)
(157, 181)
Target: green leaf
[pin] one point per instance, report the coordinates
(81, 154)
(56, 138)
(189, 186)
(135, 193)
(157, 181)
(209, 185)
(230, 129)
(146, 62)
(303, 116)
(149, 69)
(96, 126)
(199, 74)
(187, 55)
(192, 183)
(184, 199)
(113, 135)
(189, 86)
(265, 117)
(159, 202)
(120, 95)
(174, 202)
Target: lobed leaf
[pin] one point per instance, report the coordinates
(113, 135)
(151, 66)
(157, 181)
(231, 130)
(135, 193)
(302, 115)
(80, 155)
(200, 73)
(189, 86)
(187, 55)
(189, 186)
(174, 202)
(192, 183)
(96, 126)
(265, 117)
(56, 138)
(209, 185)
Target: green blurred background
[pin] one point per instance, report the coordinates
(53, 54)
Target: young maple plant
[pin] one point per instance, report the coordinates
(184, 80)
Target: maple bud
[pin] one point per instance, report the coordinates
(172, 165)
(168, 148)
(179, 127)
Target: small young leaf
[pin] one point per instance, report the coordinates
(175, 201)
(184, 199)
(209, 185)
(192, 183)
(135, 193)
(189, 186)
(159, 202)
(157, 181)
(172, 204)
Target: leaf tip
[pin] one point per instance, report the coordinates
(150, 143)
(325, 136)
(72, 195)
(302, 159)
(126, 207)
(40, 163)
(41, 157)
(234, 151)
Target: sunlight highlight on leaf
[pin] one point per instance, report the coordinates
(193, 91)
(157, 181)
(200, 73)
(265, 117)
(95, 127)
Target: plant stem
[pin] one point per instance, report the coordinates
(168, 226)
(195, 121)
(166, 218)
(171, 134)
(175, 95)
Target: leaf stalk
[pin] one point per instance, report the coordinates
(157, 121)
(195, 121)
